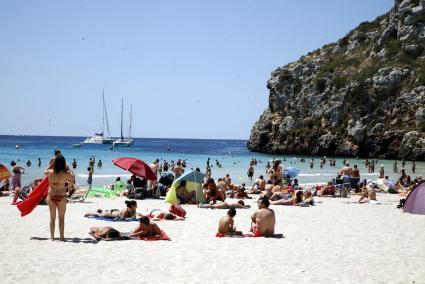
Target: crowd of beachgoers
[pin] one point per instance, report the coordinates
(275, 185)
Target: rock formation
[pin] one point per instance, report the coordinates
(361, 96)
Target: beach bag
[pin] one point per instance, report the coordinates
(177, 210)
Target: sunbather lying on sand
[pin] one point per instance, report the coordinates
(157, 215)
(280, 195)
(146, 229)
(226, 205)
(106, 233)
(128, 212)
(226, 224)
(297, 199)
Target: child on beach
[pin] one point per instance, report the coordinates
(226, 224)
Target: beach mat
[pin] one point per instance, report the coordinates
(33, 199)
(250, 235)
(114, 220)
(163, 237)
(125, 237)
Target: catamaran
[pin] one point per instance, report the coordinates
(124, 142)
(100, 138)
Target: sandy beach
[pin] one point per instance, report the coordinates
(334, 241)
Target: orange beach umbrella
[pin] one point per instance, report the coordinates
(4, 172)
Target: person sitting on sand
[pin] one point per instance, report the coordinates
(258, 186)
(25, 191)
(240, 193)
(5, 188)
(158, 215)
(263, 220)
(146, 229)
(277, 186)
(294, 201)
(183, 195)
(308, 197)
(267, 192)
(368, 194)
(213, 193)
(222, 186)
(128, 212)
(105, 233)
(226, 205)
(226, 224)
(228, 181)
(295, 184)
(329, 189)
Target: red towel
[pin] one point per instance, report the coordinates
(163, 237)
(250, 235)
(36, 195)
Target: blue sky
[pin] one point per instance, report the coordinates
(191, 69)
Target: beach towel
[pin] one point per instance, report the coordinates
(125, 237)
(250, 235)
(33, 199)
(114, 219)
(163, 237)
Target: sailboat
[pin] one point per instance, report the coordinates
(124, 142)
(100, 138)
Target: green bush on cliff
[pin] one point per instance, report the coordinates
(421, 76)
(366, 27)
(421, 126)
(393, 48)
(340, 82)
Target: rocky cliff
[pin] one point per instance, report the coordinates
(361, 96)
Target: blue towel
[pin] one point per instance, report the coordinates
(114, 220)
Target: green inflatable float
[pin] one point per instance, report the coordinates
(106, 192)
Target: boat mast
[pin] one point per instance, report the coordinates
(131, 118)
(105, 113)
(122, 110)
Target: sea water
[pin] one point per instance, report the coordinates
(232, 154)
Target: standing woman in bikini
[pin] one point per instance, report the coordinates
(16, 176)
(56, 198)
(277, 170)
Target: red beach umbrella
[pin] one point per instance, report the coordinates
(135, 166)
(4, 173)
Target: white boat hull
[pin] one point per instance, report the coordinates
(123, 142)
(98, 139)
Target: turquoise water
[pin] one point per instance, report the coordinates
(232, 154)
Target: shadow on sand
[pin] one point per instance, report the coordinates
(67, 240)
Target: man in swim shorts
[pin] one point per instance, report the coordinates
(263, 220)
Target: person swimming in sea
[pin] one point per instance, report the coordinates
(128, 212)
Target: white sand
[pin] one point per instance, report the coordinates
(333, 242)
